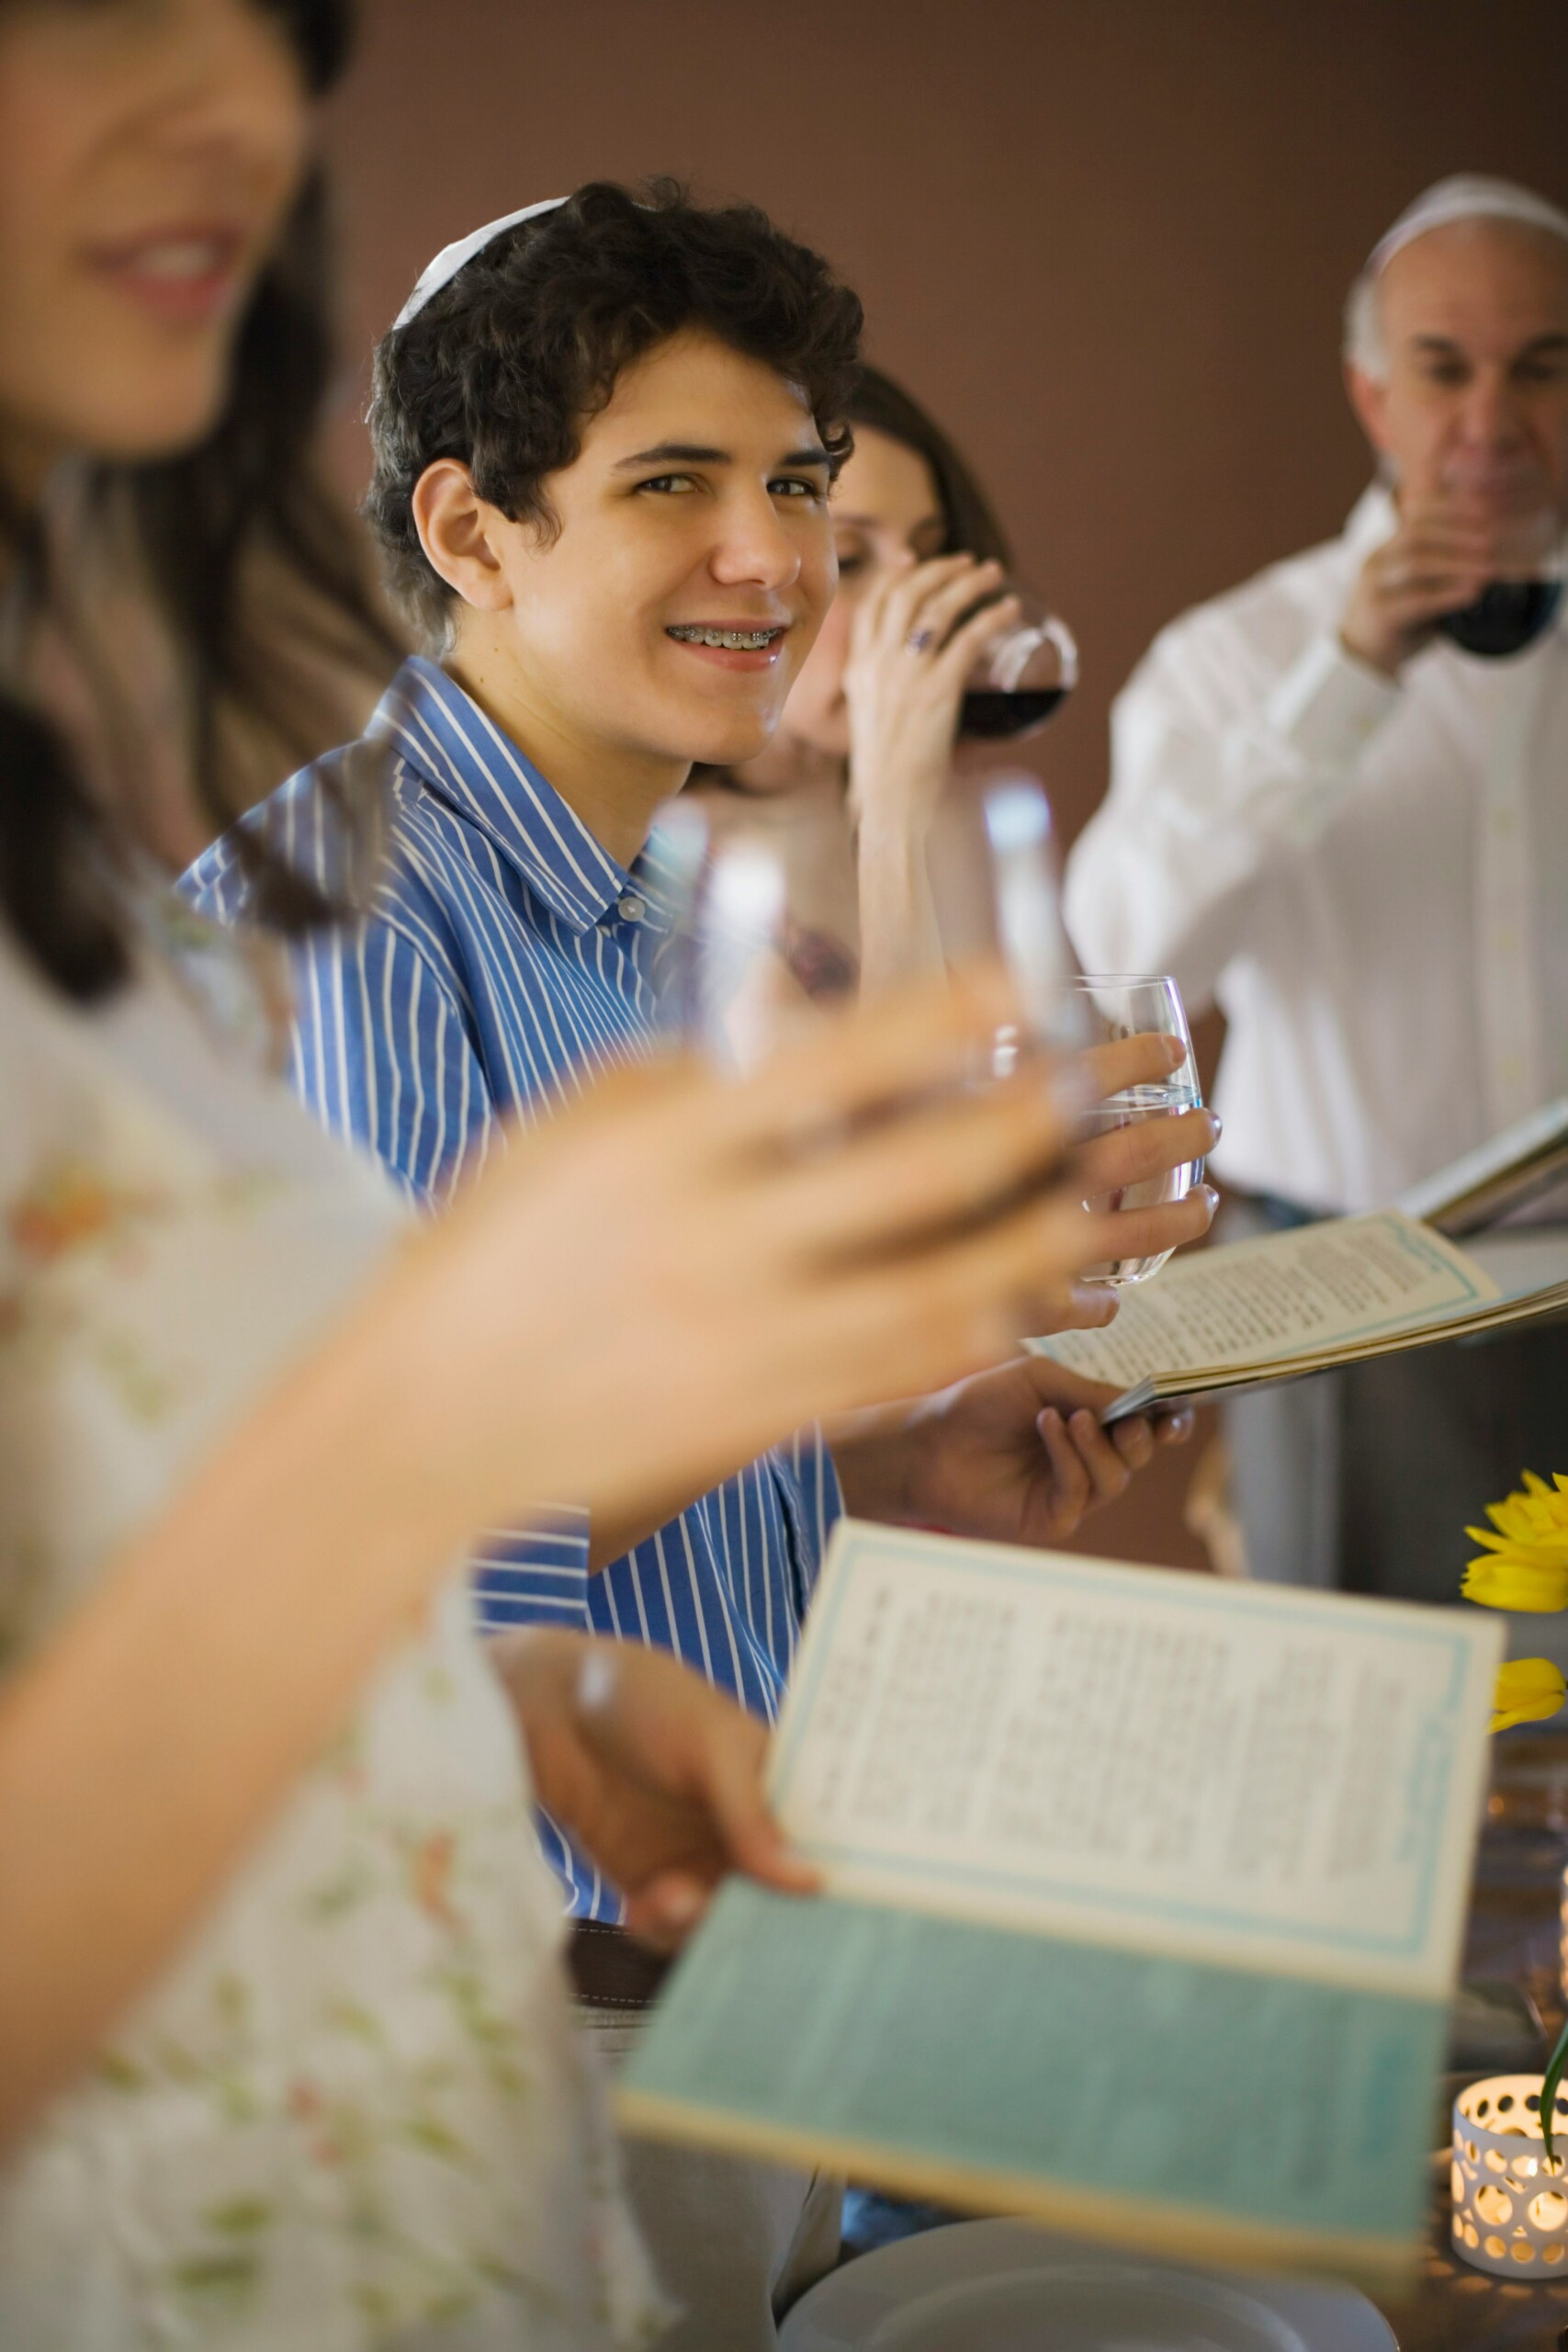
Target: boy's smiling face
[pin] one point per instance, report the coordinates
(666, 618)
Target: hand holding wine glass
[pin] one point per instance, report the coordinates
(1519, 603)
(938, 650)
(1022, 677)
(941, 650)
(916, 638)
(1458, 565)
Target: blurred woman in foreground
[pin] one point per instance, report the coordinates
(283, 2055)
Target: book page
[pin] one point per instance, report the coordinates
(1489, 1176)
(1149, 2100)
(1280, 1298)
(1268, 1778)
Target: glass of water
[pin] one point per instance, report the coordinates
(762, 947)
(768, 938)
(1114, 1005)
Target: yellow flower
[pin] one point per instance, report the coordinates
(1526, 1565)
(1512, 1583)
(1532, 1520)
(1528, 1689)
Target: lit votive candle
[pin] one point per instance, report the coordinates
(1510, 2202)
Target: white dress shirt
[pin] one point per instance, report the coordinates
(1369, 878)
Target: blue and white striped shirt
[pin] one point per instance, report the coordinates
(503, 955)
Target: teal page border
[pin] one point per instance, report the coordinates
(1255, 2098)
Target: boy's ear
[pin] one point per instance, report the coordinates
(455, 528)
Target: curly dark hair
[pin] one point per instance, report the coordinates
(504, 367)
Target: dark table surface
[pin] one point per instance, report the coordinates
(1514, 1937)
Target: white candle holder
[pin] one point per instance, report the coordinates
(1510, 2202)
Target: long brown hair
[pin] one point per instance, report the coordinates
(258, 575)
(970, 522)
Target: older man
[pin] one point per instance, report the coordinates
(1330, 818)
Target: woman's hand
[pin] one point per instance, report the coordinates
(666, 1277)
(657, 1775)
(910, 652)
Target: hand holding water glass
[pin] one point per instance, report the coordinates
(752, 967)
(1114, 1008)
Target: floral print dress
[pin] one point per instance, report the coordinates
(354, 2111)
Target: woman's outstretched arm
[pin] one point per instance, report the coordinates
(660, 1282)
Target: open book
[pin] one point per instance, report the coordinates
(1310, 1300)
(1143, 1908)
(1526, 1159)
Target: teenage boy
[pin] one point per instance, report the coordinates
(605, 433)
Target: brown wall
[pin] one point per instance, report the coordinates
(1106, 242)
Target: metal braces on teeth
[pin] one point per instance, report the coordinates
(731, 640)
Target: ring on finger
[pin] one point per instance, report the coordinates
(920, 640)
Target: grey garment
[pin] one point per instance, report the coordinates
(734, 2240)
(1364, 1480)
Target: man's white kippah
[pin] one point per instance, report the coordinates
(452, 259)
(1468, 196)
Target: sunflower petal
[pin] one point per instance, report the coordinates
(1516, 1584)
(1527, 1690)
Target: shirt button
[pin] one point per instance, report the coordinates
(629, 906)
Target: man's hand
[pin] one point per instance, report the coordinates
(1448, 545)
(1016, 1456)
(657, 1776)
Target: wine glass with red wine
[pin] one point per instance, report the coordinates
(1511, 614)
(1022, 678)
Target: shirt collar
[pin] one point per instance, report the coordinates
(444, 736)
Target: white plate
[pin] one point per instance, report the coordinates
(1002, 2287)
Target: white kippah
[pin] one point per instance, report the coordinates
(1468, 196)
(451, 258)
